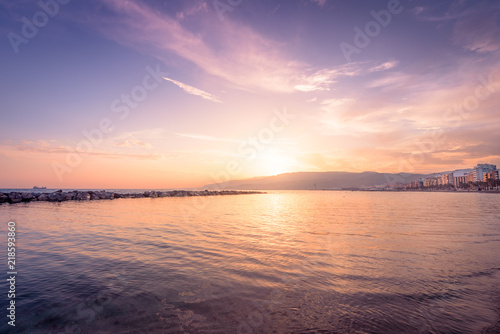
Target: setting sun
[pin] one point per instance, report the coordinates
(271, 162)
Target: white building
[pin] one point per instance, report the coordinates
(481, 169)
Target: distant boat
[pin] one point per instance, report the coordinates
(35, 187)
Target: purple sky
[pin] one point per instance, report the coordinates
(152, 94)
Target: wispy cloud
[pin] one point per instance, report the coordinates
(323, 79)
(194, 91)
(241, 56)
(133, 142)
(208, 138)
(53, 147)
(476, 23)
(479, 31)
(201, 7)
(385, 66)
(320, 3)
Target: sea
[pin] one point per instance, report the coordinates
(279, 262)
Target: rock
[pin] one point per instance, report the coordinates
(15, 197)
(26, 197)
(57, 196)
(69, 196)
(43, 197)
(3, 198)
(82, 196)
(107, 195)
(60, 196)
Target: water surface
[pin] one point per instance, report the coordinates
(282, 262)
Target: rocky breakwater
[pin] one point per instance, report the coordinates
(77, 195)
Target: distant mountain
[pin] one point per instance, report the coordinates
(318, 180)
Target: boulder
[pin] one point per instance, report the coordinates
(26, 197)
(107, 195)
(3, 198)
(43, 197)
(15, 197)
(57, 196)
(82, 196)
(69, 196)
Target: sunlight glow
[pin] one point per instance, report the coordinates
(272, 162)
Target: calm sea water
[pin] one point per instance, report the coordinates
(282, 262)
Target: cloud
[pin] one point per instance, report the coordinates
(133, 142)
(208, 138)
(53, 147)
(228, 50)
(66, 150)
(385, 66)
(320, 3)
(476, 24)
(191, 11)
(324, 78)
(333, 103)
(194, 91)
(479, 32)
(393, 80)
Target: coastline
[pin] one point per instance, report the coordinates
(77, 195)
(417, 191)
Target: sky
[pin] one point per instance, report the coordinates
(170, 94)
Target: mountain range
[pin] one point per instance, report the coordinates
(319, 180)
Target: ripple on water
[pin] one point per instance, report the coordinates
(281, 262)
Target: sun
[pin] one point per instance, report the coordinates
(273, 162)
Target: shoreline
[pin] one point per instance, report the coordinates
(78, 195)
(417, 191)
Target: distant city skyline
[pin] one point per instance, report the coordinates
(140, 94)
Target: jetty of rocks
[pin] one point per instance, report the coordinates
(77, 195)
